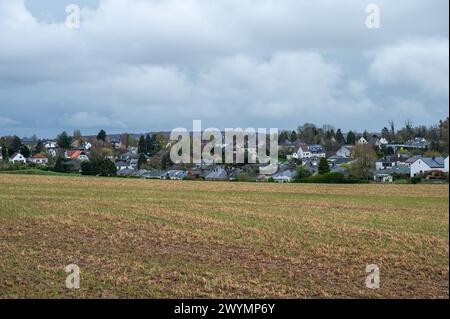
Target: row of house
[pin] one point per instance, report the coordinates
(43, 160)
(387, 167)
(301, 154)
(35, 159)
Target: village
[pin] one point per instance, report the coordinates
(310, 155)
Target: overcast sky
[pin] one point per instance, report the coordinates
(138, 66)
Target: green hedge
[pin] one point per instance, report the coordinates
(331, 178)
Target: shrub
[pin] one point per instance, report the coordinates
(302, 172)
(330, 178)
(59, 166)
(87, 168)
(244, 177)
(99, 167)
(415, 180)
(12, 166)
(324, 168)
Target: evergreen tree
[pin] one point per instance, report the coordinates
(142, 145)
(385, 133)
(293, 137)
(101, 136)
(148, 143)
(324, 168)
(340, 137)
(64, 141)
(15, 145)
(351, 138)
(141, 160)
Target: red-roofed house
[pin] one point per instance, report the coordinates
(77, 155)
(38, 159)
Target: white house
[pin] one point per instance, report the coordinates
(50, 144)
(284, 177)
(427, 164)
(305, 152)
(38, 159)
(269, 169)
(77, 155)
(362, 140)
(87, 146)
(446, 165)
(302, 152)
(392, 161)
(1, 156)
(345, 151)
(121, 165)
(18, 158)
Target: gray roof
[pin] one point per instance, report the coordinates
(175, 174)
(315, 148)
(286, 173)
(437, 162)
(401, 169)
(151, 174)
(337, 160)
(413, 159)
(217, 173)
(121, 163)
(126, 172)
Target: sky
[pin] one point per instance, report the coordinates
(139, 66)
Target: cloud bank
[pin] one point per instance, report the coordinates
(139, 65)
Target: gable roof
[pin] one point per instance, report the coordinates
(437, 162)
(402, 170)
(75, 154)
(316, 148)
(217, 173)
(38, 156)
(286, 174)
(16, 154)
(412, 159)
(303, 147)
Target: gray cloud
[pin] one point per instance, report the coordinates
(421, 62)
(147, 65)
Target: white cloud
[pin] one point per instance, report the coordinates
(90, 120)
(424, 63)
(139, 65)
